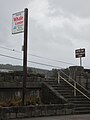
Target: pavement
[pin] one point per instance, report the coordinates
(66, 117)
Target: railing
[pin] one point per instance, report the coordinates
(76, 87)
(75, 81)
(79, 85)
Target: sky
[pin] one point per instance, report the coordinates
(56, 28)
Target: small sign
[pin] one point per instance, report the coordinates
(18, 22)
(80, 53)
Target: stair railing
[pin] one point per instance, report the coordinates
(75, 82)
(75, 87)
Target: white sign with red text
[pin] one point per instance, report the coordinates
(18, 22)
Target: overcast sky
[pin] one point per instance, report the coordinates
(56, 29)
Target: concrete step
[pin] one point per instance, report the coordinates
(81, 102)
(66, 94)
(52, 83)
(86, 111)
(78, 98)
(72, 97)
(65, 91)
(82, 105)
(60, 87)
(81, 108)
(65, 83)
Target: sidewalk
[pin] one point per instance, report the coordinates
(66, 117)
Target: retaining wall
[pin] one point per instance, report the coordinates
(35, 111)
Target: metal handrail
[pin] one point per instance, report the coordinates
(75, 87)
(76, 83)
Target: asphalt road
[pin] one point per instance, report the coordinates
(67, 117)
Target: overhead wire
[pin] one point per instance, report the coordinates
(8, 56)
(59, 61)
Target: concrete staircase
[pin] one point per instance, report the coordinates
(81, 103)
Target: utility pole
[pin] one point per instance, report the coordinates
(25, 55)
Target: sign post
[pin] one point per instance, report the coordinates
(80, 61)
(19, 25)
(79, 53)
(25, 55)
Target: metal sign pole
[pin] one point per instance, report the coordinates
(25, 55)
(80, 61)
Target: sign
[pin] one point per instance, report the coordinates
(80, 53)
(18, 22)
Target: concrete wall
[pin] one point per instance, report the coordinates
(50, 96)
(11, 86)
(35, 111)
(79, 75)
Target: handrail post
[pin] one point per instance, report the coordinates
(75, 92)
(75, 89)
(58, 77)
